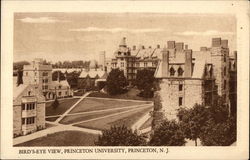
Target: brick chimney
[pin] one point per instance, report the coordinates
(188, 63)
(134, 47)
(165, 61)
(171, 44)
(216, 42)
(179, 46)
(224, 43)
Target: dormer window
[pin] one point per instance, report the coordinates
(172, 71)
(29, 93)
(180, 71)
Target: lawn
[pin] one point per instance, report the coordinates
(131, 94)
(52, 119)
(82, 117)
(127, 119)
(93, 104)
(147, 123)
(64, 138)
(64, 105)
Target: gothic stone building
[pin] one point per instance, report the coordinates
(193, 77)
(28, 109)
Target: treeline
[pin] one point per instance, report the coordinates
(60, 64)
(71, 64)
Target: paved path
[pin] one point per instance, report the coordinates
(141, 121)
(72, 107)
(117, 99)
(51, 130)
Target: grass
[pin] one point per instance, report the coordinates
(64, 105)
(131, 94)
(52, 119)
(82, 117)
(147, 123)
(128, 119)
(90, 104)
(64, 138)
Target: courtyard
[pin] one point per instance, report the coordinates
(86, 118)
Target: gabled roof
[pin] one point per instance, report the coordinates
(92, 73)
(17, 90)
(63, 83)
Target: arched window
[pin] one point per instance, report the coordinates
(180, 71)
(29, 93)
(172, 71)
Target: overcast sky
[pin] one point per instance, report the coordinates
(81, 36)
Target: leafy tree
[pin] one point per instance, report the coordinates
(19, 77)
(116, 82)
(168, 133)
(144, 81)
(55, 104)
(219, 134)
(55, 76)
(72, 78)
(192, 120)
(19, 65)
(120, 136)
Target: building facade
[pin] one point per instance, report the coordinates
(28, 109)
(41, 75)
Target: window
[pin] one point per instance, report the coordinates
(23, 120)
(66, 93)
(35, 73)
(59, 93)
(225, 71)
(23, 106)
(172, 71)
(122, 64)
(122, 59)
(30, 120)
(180, 87)
(180, 71)
(180, 101)
(59, 87)
(27, 73)
(225, 58)
(137, 64)
(45, 73)
(29, 93)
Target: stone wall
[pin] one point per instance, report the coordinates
(17, 120)
(40, 115)
(190, 94)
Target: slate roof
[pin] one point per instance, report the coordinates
(93, 74)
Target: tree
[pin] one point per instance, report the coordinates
(192, 120)
(144, 81)
(55, 76)
(19, 65)
(120, 136)
(168, 133)
(116, 82)
(219, 134)
(72, 78)
(19, 77)
(55, 104)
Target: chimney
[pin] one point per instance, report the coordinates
(134, 47)
(216, 42)
(203, 49)
(123, 42)
(186, 47)
(142, 47)
(179, 46)
(165, 61)
(188, 63)
(149, 47)
(158, 46)
(224, 43)
(171, 44)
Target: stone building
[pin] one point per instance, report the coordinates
(40, 75)
(89, 78)
(191, 77)
(28, 109)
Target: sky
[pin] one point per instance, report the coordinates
(82, 36)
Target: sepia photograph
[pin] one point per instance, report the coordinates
(128, 79)
(135, 79)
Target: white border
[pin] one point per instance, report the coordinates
(239, 8)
